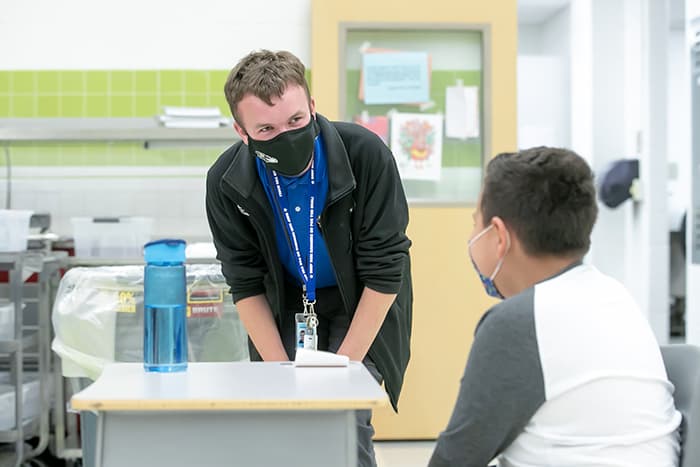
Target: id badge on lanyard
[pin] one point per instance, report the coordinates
(306, 330)
(306, 322)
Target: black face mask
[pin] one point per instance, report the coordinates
(288, 153)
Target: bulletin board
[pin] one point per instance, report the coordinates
(440, 213)
(420, 87)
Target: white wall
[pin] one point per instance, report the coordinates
(131, 34)
(692, 9)
(151, 34)
(529, 39)
(174, 196)
(648, 235)
(679, 150)
(618, 98)
(693, 270)
(556, 42)
(544, 83)
(608, 127)
(581, 66)
(678, 95)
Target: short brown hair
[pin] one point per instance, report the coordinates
(546, 195)
(264, 74)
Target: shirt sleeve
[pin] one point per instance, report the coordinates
(501, 389)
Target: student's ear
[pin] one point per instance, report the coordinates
(241, 132)
(503, 235)
(312, 107)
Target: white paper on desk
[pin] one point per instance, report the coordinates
(462, 112)
(307, 357)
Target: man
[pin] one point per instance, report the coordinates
(308, 218)
(566, 370)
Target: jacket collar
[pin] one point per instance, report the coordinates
(242, 174)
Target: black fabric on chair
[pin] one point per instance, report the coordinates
(682, 363)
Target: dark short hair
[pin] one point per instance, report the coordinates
(546, 195)
(264, 74)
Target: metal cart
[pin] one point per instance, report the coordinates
(30, 346)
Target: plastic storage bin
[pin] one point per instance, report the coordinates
(98, 318)
(14, 229)
(31, 400)
(111, 237)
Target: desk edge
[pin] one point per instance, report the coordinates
(236, 405)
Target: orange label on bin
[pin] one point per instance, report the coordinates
(205, 303)
(126, 302)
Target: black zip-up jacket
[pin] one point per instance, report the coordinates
(363, 224)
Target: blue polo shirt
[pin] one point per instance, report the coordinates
(296, 190)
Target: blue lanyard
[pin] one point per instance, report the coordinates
(282, 205)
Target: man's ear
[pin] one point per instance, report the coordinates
(241, 132)
(503, 235)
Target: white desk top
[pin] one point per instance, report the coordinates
(232, 386)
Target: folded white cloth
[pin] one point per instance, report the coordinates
(307, 357)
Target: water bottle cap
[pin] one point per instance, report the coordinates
(167, 250)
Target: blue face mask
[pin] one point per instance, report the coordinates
(487, 282)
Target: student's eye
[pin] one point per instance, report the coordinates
(264, 129)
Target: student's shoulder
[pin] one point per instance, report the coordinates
(511, 316)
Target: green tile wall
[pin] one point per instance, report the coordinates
(116, 93)
(114, 154)
(108, 93)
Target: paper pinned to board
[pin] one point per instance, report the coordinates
(462, 112)
(394, 77)
(308, 357)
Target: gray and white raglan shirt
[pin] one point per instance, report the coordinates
(567, 373)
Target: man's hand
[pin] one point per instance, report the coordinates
(369, 316)
(257, 318)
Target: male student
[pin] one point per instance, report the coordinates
(565, 371)
(309, 222)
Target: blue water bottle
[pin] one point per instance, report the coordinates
(165, 306)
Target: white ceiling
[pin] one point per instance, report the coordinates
(538, 11)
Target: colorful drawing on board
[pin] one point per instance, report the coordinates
(416, 141)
